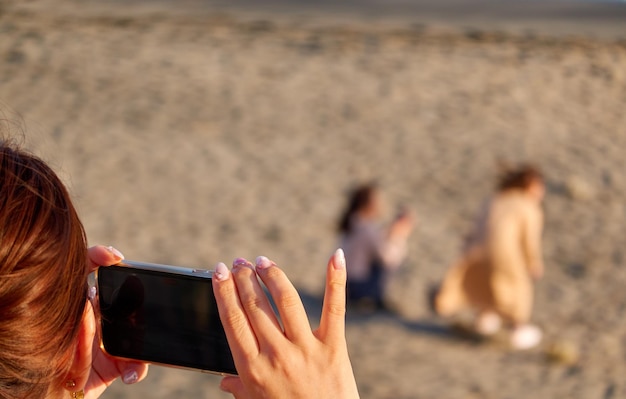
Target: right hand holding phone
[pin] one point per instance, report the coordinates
(293, 362)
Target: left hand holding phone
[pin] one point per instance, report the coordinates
(106, 369)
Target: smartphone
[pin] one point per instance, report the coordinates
(162, 314)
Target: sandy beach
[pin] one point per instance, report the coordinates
(196, 137)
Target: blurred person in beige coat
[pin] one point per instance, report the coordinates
(502, 257)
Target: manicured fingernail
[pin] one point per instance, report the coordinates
(339, 260)
(130, 376)
(263, 263)
(241, 262)
(91, 293)
(118, 255)
(221, 272)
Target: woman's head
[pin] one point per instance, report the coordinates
(363, 199)
(526, 178)
(43, 270)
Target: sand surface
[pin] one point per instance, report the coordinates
(191, 138)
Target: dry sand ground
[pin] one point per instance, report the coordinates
(190, 139)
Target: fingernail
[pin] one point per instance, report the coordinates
(241, 262)
(221, 272)
(339, 260)
(130, 376)
(118, 255)
(91, 293)
(263, 263)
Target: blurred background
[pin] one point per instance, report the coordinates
(192, 132)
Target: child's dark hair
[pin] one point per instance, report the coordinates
(359, 198)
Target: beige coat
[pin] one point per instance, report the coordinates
(495, 272)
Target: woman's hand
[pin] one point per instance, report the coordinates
(291, 362)
(106, 369)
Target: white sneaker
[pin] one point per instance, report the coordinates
(488, 323)
(526, 337)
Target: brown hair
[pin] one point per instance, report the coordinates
(43, 274)
(519, 178)
(359, 198)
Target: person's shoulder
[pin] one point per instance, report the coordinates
(511, 197)
(527, 207)
(359, 228)
(504, 199)
(514, 203)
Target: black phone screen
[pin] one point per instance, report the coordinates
(161, 317)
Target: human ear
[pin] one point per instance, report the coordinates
(81, 361)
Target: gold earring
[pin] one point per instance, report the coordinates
(74, 394)
(78, 394)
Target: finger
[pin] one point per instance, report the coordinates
(256, 305)
(108, 368)
(333, 320)
(234, 386)
(286, 298)
(134, 372)
(239, 333)
(100, 255)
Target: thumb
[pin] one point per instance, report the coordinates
(234, 386)
(134, 372)
(100, 255)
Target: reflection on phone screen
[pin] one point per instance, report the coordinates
(162, 318)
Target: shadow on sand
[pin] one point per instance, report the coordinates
(425, 326)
